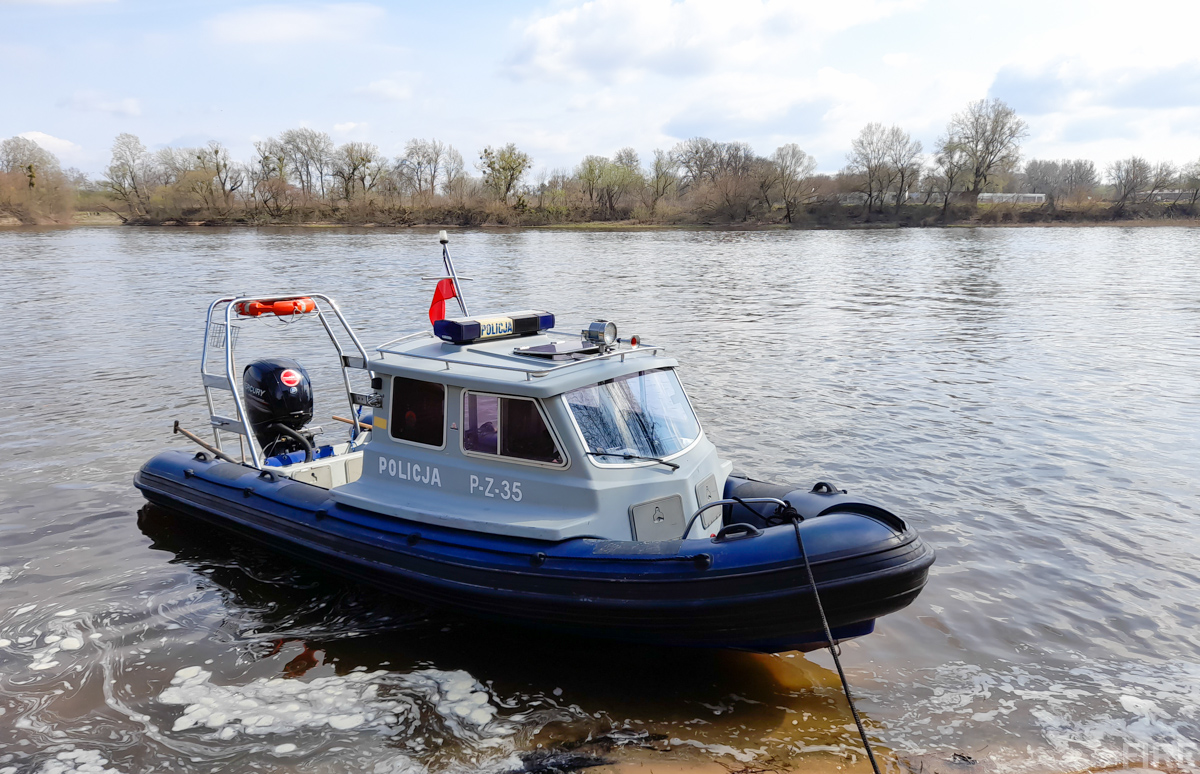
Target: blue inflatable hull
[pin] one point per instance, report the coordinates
(750, 593)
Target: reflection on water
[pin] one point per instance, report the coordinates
(1028, 398)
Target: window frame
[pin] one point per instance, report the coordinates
(392, 406)
(554, 436)
(634, 463)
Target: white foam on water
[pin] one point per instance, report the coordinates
(743, 756)
(6, 573)
(1059, 718)
(377, 702)
(402, 764)
(55, 644)
(77, 762)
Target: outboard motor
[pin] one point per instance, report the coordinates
(279, 403)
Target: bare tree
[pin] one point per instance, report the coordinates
(1129, 177)
(953, 164)
(628, 158)
(767, 177)
(719, 174)
(1079, 179)
(619, 177)
(127, 175)
(733, 158)
(557, 189)
(425, 160)
(1190, 181)
(868, 161)
(733, 179)
(541, 186)
(1163, 176)
(661, 179)
(309, 155)
(225, 175)
(172, 165)
(904, 157)
(1068, 179)
(1045, 177)
(33, 184)
(589, 173)
(796, 169)
(357, 168)
(698, 158)
(19, 154)
(503, 169)
(454, 174)
(930, 182)
(989, 133)
(269, 188)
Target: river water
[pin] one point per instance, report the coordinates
(1028, 398)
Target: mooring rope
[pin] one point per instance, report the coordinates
(833, 651)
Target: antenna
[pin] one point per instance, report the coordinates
(453, 275)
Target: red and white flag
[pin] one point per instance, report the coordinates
(441, 294)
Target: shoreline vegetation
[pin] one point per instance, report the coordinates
(974, 176)
(1144, 220)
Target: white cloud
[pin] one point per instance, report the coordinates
(625, 39)
(767, 72)
(391, 89)
(285, 24)
(650, 72)
(64, 149)
(98, 102)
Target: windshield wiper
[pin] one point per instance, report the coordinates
(659, 460)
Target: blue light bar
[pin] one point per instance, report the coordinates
(467, 330)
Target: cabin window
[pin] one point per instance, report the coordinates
(645, 414)
(507, 427)
(418, 412)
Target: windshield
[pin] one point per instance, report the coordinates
(644, 414)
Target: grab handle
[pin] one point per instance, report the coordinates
(735, 501)
(737, 531)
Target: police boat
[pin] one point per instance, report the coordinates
(505, 469)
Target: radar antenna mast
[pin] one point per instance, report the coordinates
(451, 274)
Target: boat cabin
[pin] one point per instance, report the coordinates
(540, 435)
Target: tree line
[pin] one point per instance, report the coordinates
(303, 176)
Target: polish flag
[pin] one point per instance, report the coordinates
(441, 294)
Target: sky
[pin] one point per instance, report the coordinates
(562, 79)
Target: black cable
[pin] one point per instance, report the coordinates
(283, 429)
(862, 732)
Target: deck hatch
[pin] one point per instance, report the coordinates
(660, 519)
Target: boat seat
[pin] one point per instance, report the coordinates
(326, 472)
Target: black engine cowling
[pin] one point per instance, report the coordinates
(279, 403)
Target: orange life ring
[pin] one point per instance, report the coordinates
(293, 306)
(282, 308)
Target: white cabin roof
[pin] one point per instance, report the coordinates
(493, 364)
